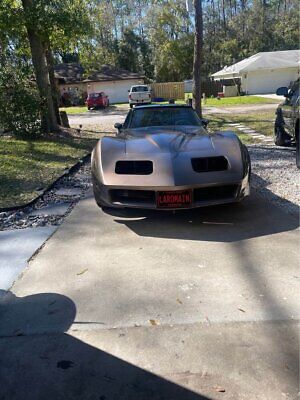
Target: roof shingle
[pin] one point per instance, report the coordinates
(74, 72)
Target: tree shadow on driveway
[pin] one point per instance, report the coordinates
(258, 262)
(255, 217)
(40, 361)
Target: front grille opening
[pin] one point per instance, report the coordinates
(209, 164)
(215, 193)
(134, 167)
(124, 196)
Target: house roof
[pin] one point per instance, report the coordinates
(74, 73)
(69, 72)
(259, 61)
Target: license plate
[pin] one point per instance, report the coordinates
(174, 199)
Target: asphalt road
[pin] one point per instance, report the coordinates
(94, 118)
(199, 304)
(107, 118)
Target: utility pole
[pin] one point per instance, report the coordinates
(198, 45)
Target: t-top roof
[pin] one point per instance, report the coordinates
(266, 60)
(172, 105)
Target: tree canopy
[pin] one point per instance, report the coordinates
(155, 37)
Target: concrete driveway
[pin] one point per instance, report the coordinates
(123, 304)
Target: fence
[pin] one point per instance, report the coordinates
(209, 87)
(176, 90)
(167, 90)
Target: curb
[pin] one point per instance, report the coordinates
(72, 169)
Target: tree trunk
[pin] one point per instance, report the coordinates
(198, 44)
(54, 91)
(49, 122)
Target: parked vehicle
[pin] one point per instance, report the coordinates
(97, 100)
(139, 94)
(286, 129)
(163, 158)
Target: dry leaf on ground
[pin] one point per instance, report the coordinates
(82, 272)
(153, 322)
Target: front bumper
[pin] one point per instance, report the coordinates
(144, 101)
(146, 197)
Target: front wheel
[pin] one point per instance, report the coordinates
(130, 105)
(279, 135)
(298, 151)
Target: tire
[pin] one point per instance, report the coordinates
(130, 105)
(279, 135)
(297, 148)
(89, 108)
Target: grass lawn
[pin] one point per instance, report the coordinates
(74, 109)
(236, 101)
(27, 166)
(218, 122)
(262, 122)
(83, 109)
(222, 102)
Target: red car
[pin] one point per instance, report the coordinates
(97, 100)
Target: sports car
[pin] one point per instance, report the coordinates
(163, 157)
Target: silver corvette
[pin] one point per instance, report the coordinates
(163, 158)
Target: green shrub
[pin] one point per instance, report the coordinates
(19, 99)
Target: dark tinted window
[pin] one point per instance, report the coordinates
(139, 89)
(94, 95)
(164, 117)
(127, 119)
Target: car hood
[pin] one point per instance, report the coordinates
(166, 140)
(171, 152)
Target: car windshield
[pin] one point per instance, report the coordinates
(146, 117)
(139, 89)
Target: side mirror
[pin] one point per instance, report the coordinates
(282, 91)
(205, 122)
(118, 125)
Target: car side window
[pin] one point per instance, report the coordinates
(127, 119)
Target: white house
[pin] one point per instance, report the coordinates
(114, 82)
(262, 73)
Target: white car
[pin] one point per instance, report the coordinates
(139, 94)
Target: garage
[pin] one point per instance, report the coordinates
(117, 91)
(262, 73)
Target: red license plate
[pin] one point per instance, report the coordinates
(174, 199)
